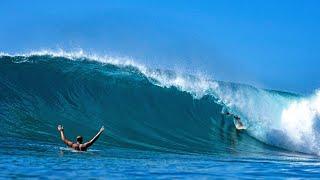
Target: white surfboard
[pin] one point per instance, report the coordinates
(239, 125)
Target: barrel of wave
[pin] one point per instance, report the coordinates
(277, 118)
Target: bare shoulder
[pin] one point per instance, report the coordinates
(83, 147)
(75, 146)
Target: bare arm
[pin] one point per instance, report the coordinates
(63, 138)
(88, 144)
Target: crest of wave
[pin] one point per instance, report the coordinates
(197, 85)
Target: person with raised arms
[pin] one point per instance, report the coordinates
(79, 146)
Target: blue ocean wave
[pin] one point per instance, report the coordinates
(148, 109)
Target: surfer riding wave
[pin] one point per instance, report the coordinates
(237, 122)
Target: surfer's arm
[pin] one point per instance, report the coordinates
(63, 138)
(88, 144)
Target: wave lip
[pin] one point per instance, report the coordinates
(196, 85)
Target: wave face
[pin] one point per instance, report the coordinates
(148, 109)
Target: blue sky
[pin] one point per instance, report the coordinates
(270, 44)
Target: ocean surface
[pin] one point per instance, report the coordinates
(158, 123)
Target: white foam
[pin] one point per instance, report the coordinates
(197, 86)
(289, 122)
(299, 122)
(80, 54)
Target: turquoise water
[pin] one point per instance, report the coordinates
(30, 159)
(159, 124)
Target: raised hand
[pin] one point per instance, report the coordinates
(102, 129)
(60, 128)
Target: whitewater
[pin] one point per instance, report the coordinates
(151, 116)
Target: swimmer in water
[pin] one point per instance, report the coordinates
(79, 146)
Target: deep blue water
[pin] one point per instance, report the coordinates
(52, 160)
(159, 124)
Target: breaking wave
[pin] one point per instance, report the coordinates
(147, 108)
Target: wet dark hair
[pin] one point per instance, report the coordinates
(79, 139)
